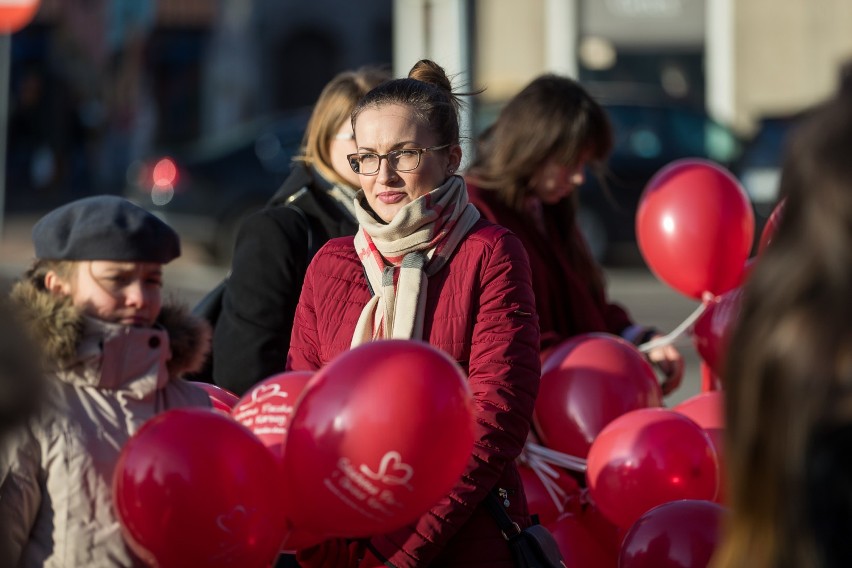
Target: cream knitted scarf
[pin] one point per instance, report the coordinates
(398, 258)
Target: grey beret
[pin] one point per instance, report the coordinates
(104, 227)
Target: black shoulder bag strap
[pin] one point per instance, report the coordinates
(533, 547)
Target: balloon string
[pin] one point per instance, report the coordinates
(676, 332)
(547, 475)
(556, 458)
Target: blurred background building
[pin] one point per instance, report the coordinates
(166, 99)
(740, 59)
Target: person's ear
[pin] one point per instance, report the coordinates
(455, 156)
(55, 284)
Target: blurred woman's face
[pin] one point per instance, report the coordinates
(343, 144)
(127, 293)
(395, 127)
(554, 181)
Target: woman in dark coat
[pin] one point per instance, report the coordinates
(275, 245)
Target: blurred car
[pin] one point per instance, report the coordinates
(649, 132)
(759, 166)
(206, 189)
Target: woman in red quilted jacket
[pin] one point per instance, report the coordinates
(425, 265)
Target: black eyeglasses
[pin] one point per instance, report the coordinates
(405, 160)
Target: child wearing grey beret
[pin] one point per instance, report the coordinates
(113, 359)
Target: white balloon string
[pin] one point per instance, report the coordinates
(676, 332)
(547, 475)
(557, 494)
(543, 466)
(556, 458)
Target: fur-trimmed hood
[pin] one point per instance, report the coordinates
(58, 328)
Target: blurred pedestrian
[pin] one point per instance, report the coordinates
(788, 381)
(275, 245)
(113, 357)
(20, 380)
(525, 176)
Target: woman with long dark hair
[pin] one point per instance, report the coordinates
(788, 381)
(525, 176)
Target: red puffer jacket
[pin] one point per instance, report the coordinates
(480, 309)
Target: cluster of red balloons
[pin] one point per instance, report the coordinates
(653, 481)
(301, 457)
(599, 400)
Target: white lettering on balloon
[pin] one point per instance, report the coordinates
(367, 491)
(268, 418)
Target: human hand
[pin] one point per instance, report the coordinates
(670, 362)
(332, 553)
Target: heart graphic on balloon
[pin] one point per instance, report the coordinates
(392, 470)
(265, 392)
(233, 521)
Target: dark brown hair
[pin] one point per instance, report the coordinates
(428, 92)
(788, 379)
(552, 117)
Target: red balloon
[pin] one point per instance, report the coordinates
(648, 457)
(360, 457)
(606, 533)
(539, 501)
(708, 411)
(713, 328)
(267, 407)
(587, 382)
(679, 534)
(222, 400)
(771, 226)
(194, 488)
(579, 548)
(695, 227)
